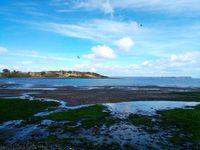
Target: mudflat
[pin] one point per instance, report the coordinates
(105, 94)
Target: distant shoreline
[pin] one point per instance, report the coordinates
(50, 74)
(56, 78)
(105, 77)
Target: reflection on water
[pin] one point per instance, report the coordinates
(147, 107)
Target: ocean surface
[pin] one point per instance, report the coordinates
(124, 81)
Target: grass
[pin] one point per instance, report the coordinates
(91, 112)
(17, 109)
(33, 120)
(188, 120)
(88, 116)
(145, 121)
(140, 120)
(71, 129)
(53, 128)
(98, 122)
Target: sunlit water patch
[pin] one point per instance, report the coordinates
(146, 107)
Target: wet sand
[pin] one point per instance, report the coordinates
(106, 94)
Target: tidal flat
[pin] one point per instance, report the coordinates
(84, 95)
(49, 124)
(40, 116)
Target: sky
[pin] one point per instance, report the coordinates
(111, 37)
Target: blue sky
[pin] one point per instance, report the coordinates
(112, 37)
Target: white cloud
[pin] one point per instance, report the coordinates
(36, 55)
(159, 5)
(100, 30)
(187, 57)
(145, 63)
(162, 67)
(93, 67)
(103, 5)
(107, 8)
(101, 52)
(93, 70)
(170, 6)
(3, 50)
(3, 66)
(125, 44)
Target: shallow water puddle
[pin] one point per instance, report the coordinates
(147, 107)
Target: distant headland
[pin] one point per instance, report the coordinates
(49, 74)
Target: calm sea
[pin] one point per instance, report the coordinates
(126, 81)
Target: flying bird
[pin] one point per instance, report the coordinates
(78, 57)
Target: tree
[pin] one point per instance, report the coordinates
(43, 74)
(6, 73)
